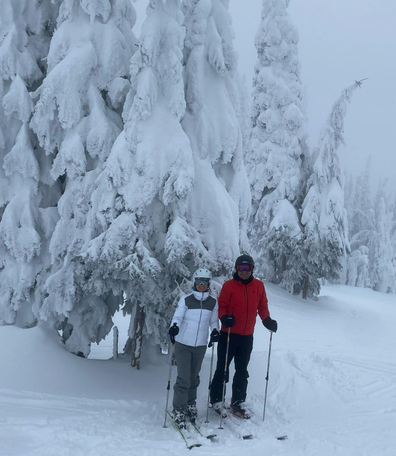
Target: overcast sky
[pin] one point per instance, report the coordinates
(340, 41)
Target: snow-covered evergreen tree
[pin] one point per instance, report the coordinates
(243, 110)
(362, 202)
(348, 204)
(275, 157)
(361, 229)
(145, 244)
(167, 202)
(26, 215)
(380, 250)
(393, 241)
(77, 120)
(349, 199)
(324, 216)
(220, 199)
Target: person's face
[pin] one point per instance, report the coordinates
(201, 284)
(244, 271)
(201, 287)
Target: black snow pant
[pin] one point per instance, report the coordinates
(239, 350)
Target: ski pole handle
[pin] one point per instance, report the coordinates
(172, 337)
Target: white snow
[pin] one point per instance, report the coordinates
(332, 388)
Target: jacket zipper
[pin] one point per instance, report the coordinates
(199, 322)
(247, 309)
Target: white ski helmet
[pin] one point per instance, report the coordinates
(202, 273)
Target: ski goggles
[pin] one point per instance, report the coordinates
(201, 281)
(244, 267)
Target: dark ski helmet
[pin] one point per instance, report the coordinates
(244, 259)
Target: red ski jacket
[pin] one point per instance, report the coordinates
(244, 302)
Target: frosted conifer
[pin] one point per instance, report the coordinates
(275, 157)
(380, 250)
(26, 215)
(145, 245)
(393, 241)
(361, 229)
(77, 120)
(324, 216)
(220, 199)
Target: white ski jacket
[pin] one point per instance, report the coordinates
(195, 313)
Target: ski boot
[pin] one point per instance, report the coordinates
(238, 409)
(217, 408)
(179, 416)
(192, 413)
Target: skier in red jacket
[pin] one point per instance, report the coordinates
(240, 300)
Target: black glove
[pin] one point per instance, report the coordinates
(214, 337)
(270, 324)
(173, 331)
(227, 320)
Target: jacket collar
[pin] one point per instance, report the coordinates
(198, 295)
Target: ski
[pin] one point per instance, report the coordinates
(280, 437)
(249, 436)
(236, 431)
(230, 424)
(184, 433)
(246, 417)
(244, 436)
(199, 431)
(233, 428)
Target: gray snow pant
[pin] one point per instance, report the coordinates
(189, 361)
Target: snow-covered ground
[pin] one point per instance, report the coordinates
(332, 388)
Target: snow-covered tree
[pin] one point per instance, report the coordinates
(349, 199)
(243, 110)
(362, 202)
(145, 245)
(393, 241)
(361, 229)
(276, 154)
(26, 215)
(380, 250)
(77, 120)
(220, 199)
(324, 216)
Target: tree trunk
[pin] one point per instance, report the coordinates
(137, 339)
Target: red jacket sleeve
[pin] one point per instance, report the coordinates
(263, 303)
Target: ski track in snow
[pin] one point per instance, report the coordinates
(332, 389)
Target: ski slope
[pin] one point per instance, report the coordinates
(332, 388)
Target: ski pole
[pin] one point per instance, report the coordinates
(210, 383)
(169, 378)
(225, 378)
(267, 377)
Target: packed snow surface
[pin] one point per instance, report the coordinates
(332, 388)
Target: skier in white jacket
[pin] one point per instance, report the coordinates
(195, 314)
